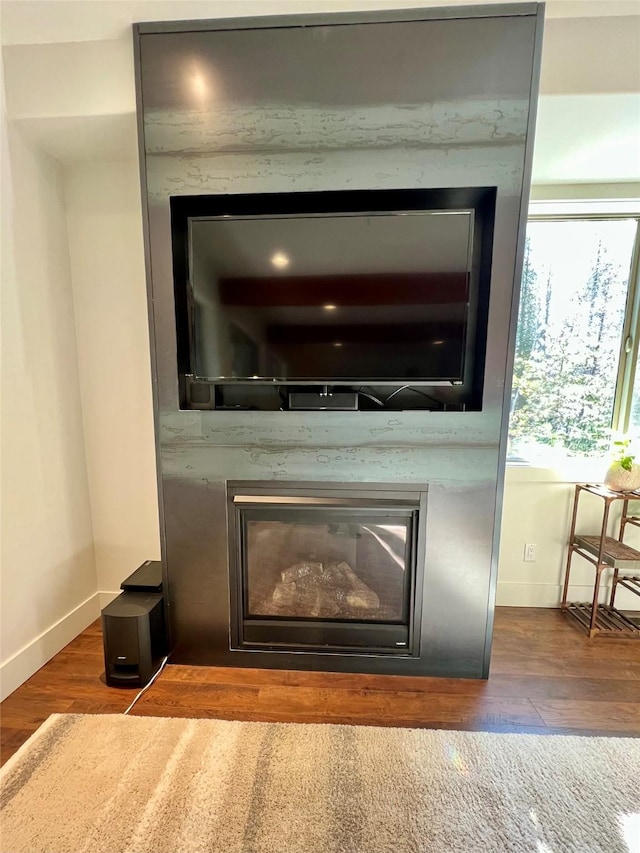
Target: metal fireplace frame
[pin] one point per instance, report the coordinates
(325, 636)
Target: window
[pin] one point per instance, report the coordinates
(576, 347)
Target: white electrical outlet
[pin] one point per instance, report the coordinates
(530, 552)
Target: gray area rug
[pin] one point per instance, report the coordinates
(140, 784)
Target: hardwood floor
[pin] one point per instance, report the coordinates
(546, 678)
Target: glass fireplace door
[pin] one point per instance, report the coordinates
(325, 576)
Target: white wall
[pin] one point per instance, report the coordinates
(48, 571)
(104, 219)
(537, 509)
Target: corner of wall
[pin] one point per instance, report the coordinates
(48, 571)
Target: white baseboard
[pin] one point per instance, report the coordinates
(21, 666)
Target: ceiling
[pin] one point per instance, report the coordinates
(56, 51)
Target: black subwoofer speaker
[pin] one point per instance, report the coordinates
(133, 633)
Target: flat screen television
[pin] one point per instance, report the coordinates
(351, 290)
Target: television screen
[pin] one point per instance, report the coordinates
(291, 290)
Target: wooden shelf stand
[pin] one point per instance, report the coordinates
(604, 552)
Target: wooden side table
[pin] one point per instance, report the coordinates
(604, 552)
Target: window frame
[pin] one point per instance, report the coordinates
(629, 345)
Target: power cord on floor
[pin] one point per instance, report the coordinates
(147, 686)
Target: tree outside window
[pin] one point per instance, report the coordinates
(573, 305)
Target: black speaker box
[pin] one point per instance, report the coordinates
(146, 578)
(134, 638)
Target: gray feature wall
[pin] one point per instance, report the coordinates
(425, 99)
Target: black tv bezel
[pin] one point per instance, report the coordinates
(481, 200)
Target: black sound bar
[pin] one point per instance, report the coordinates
(338, 401)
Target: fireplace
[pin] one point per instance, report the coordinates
(325, 567)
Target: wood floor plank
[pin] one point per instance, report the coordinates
(344, 704)
(546, 677)
(335, 680)
(624, 716)
(558, 687)
(12, 740)
(105, 706)
(540, 666)
(33, 712)
(625, 690)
